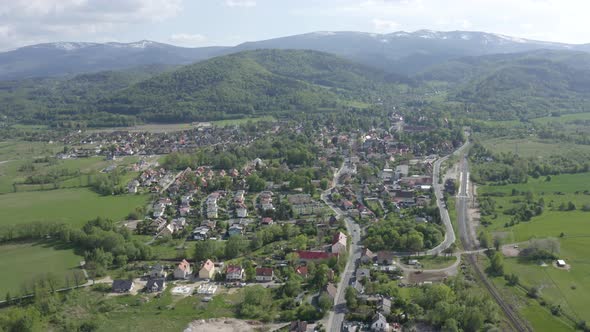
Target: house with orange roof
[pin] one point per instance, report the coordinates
(183, 270)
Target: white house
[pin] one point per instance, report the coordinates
(339, 243)
(207, 270)
(379, 323)
(264, 274)
(234, 273)
(241, 210)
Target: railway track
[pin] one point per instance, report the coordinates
(513, 317)
(469, 243)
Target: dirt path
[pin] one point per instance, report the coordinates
(230, 325)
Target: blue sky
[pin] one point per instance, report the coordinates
(197, 23)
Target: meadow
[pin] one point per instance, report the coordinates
(71, 206)
(552, 222)
(533, 147)
(22, 262)
(571, 228)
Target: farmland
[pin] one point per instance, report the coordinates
(558, 287)
(22, 262)
(71, 206)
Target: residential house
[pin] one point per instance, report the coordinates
(241, 210)
(384, 306)
(183, 270)
(168, 230)
(159, 210)
(338, 243)
(157, 271)
(155, 285)
(298, 326)
(363, 273)
(154, 226)
(179, 223)
(201, 233)
(132, 187)
(367, 256)
(234, 273)
(379, 323)
(384, 258)
(235, 230)
(207, 270)
(264, 274)
(266, 221)
(122, 286)
(302, 271)
(307, 256)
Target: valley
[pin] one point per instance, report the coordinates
(440, 182)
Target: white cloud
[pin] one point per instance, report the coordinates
(188, 40)
(381, 25)
(34, 21)
(240, 3)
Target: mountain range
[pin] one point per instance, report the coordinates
(399, 52)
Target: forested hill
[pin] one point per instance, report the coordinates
(260, 82)
(519, 85)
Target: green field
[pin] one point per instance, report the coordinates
(533, 147)
(22, 262)
(234, 122)
(557, 287)
(147, 312)
(561, 189)
(72, 206)
(565, 118)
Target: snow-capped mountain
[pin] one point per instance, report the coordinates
(409, 52)
(402, 52)
(68, 58)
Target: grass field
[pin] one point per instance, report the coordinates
(561, 189)
(438, 262)
(21, 262)
(147, 312)
(533, 147)
(72, 206)
(233, 122)
(563, 118)
(557, 287)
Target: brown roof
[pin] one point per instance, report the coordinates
(302, 270)
(264, 271)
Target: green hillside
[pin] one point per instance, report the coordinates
(521, 85)
(252, 82)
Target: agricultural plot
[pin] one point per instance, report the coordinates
(72, 206)
(533, 147)
(23, 262)
(559, 191)
(558, 287)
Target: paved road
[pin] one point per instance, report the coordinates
(339, 310)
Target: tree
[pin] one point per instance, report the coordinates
(235, 246)
(497, 242)
(320, 278)
(472, 320)
(497, 264)
(325, 302)
(207, 249)
(485, 240)
(351, 299)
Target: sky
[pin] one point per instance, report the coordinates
(197, 23)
